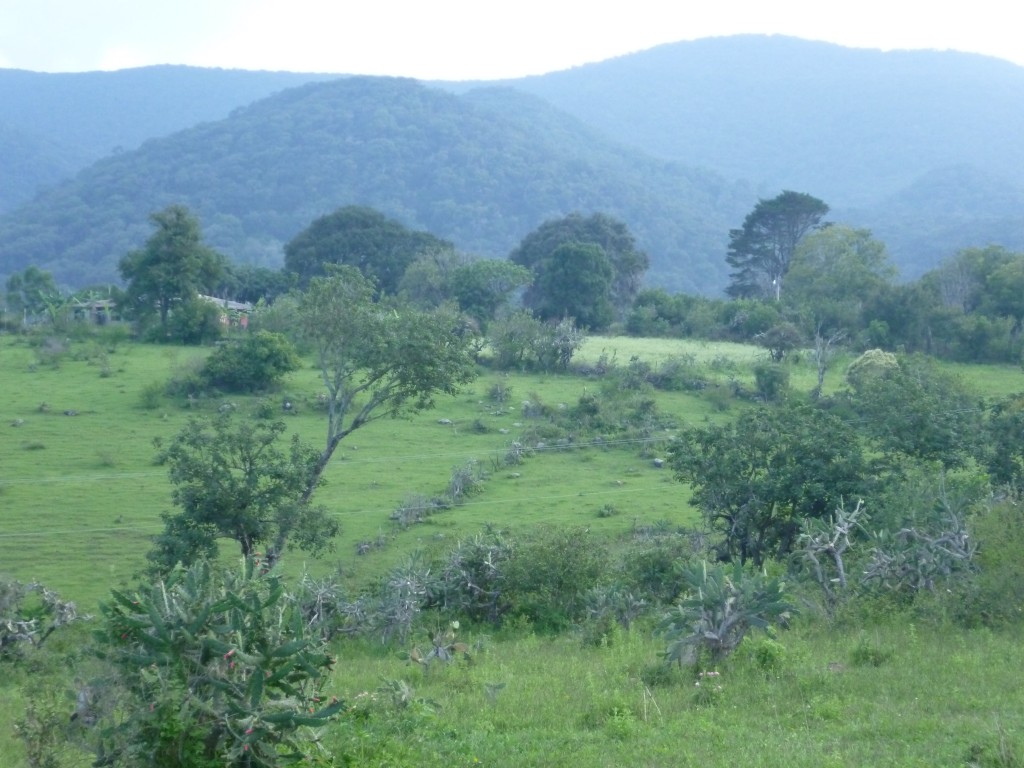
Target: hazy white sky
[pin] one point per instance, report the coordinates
(463, 39)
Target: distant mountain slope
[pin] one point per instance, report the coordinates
(82, 117)
(481, 170)
(29, 162)
(850, 126)
(943, 211)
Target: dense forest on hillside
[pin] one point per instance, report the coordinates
(923, 148)
(81, 117)
(451, 165)
(853, 125)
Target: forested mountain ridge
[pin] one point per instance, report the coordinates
(926, 149)
(481, 170)
(54, 124)
(849, 125)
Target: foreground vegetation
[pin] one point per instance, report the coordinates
(877, 677)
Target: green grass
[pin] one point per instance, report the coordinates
(80, 496)
(938, 699)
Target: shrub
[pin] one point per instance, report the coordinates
(723, 604)
(194, 322)
(994, 595)
(771, 381)
(473, 575)
(150, 395)
(252, 364)
(550, 573)
(213, 669)
(29, 614)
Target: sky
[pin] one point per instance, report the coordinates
(463, 39)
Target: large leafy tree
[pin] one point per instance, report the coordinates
(377, 359)
(628, 262)
(233, 481)
(835, 273)
(758, 478)
(379, 247)
(576, 282)
(173, 268)
(761, 250)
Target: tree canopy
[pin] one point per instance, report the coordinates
(833, 276)
(377, 359)
(761, 250)
(32, 292)
(379, 247)
(484, 286)
(758, 478)
(628, 263)
(173, 267)
(232, 481)
(576, 281)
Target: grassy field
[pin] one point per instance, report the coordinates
(80, 496)
(890, 696)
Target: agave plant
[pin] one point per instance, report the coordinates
(721, 605)
(443, 647)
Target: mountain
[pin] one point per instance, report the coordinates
(943, 211)
(926, 149)
(481, 170)
(850, 126)
(56, 124)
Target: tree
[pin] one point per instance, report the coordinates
(232, 481)
(485, 286)
(377, 359)
(1005, 291)
(427, 282)
(836, 272)
(576, 282)
(761, 250)
(759, 478)
(379, 247)
(613, 236)
(33, 293)
(1003, 451)
(916, 411)
(173, 267)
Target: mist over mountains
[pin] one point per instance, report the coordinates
(924, 148)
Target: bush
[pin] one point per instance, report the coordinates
(994, 595)
(549, 575)
(723, 603)
(253, 364)
(772, 381)
(195, 322)
(212, 669)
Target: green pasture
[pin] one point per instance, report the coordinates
(81, 495)
(888, 696)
